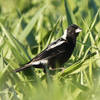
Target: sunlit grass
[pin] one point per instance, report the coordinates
(26, 30)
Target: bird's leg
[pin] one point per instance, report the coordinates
(46, 71)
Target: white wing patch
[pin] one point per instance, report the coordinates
(56, 44)
(40, 62)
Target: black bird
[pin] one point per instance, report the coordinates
(57, 53)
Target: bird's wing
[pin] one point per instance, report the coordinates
(54, 49)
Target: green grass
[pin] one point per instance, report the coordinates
(27, 27)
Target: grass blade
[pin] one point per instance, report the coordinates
(14, 43)
(75, 66)
(31, 24)
(69, 14)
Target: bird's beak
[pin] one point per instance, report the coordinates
(78, 30)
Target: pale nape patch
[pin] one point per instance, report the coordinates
(78, 30)
(65, 34)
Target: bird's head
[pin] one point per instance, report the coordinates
(71, 32)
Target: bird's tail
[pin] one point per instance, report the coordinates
(23, 68)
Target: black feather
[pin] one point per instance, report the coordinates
(57, 52)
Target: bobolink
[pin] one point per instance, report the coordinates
(57, 52)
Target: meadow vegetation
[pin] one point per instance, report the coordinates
(27, 27)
